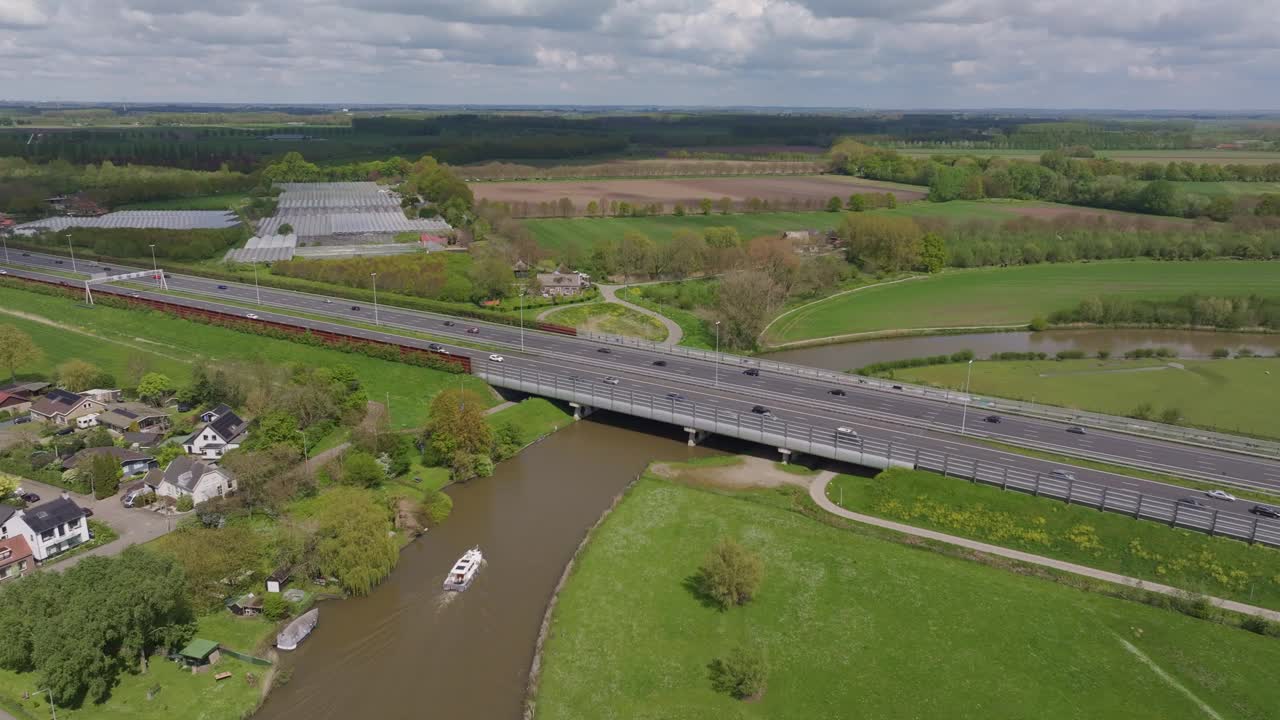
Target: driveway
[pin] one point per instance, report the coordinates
(133, 525)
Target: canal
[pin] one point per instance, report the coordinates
(409, 650)
(1186, 343)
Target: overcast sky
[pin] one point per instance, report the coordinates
(1133, 54)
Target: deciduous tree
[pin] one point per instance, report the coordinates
(155, 388)
(457, 425)
(745, 302)
(77, 375)
(730, 575)
(17, 349)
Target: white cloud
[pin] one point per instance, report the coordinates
(21, 13)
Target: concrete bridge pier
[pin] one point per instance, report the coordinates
(695, 436)
(788, 455)
(580, 411)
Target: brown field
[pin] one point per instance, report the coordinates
(690, 190)
(752, 149)
(664, 167)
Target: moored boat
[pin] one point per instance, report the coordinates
(464, 570)
(298, 630)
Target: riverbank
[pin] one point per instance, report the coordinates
(853, 624)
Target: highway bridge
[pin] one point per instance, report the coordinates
(804, 414)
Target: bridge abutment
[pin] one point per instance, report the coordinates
(788, 455)
(695, 436)
(580, 411)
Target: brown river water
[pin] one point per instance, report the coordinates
(409, 650)
(850, 356)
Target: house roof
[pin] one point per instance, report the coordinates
(198, 649)
(8, 398)
(142, 439)
(184, 472)
(6, 512)
(57, 401)
(218, 411)
(123, 415)
(123, 455)
(18, 547)
(50, 515)
(227, 425)
(29, 388)
(560, 279)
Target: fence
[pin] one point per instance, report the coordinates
(876, 453)
(1221, 441)
(247, 658)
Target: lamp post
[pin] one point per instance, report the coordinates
(964, 415)
(52, 708)
(306, 454)
(154, 266)
(717, 353)
(521, 319)
(374, 275)
(6, 248)
(73, 253)
(257, 291)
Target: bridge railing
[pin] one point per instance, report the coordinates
(877, 453)
(1221, 441)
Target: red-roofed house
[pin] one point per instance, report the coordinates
(14, 403)
(16, 559)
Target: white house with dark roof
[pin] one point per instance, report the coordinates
(223, 432)
(49, 528)
(189, 477)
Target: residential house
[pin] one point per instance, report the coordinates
(520, 269)
(224, 431)
(16, 559)
(247, 606)
(561, 284)
(103, 395)
(13, 403)
(49, 528)
(142, 441)
(131, 462)
(61, 406)
(134, 417)
(29, 390)
(189, 477)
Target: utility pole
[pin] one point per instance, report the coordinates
(521, 319)
(306, 454)
(6, 248)
(154, 266)
(73, 253)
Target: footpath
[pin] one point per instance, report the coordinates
(610, 294)
(818, 491)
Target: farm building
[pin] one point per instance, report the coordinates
(344, 213)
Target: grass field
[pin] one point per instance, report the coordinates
(536, 418)
(181, 694)
(1219, 157)
(1117, 543)
(854, 626)
(1235, 395)
(1232, 189)
(697, 333)
(171, 346)
(1006, 296)
(610, 318)
(200, 202)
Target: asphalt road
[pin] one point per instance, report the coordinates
(875, 414)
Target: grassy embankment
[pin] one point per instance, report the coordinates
(854, 626)
(179, 692)
(697, 332)
(1015, 295)
(1238, 395)
(610, 318)
(171, 346)
(1184, 559)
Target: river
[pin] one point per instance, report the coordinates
(409, 650)
(1187, 343)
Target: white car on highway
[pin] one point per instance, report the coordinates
(1221, 495)
(495, 358)
(847, 432)
(251, 316)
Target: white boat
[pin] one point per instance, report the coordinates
(464, 570)
(298, 630)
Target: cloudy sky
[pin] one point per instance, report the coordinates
(1138, 54)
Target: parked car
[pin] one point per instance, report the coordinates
(762, 411)
(495, 358)
(1191, 502)
(22, 420)
(993, 419)
(847, 432)
(1062, 474)
(184, 407)
(660, 363)
(610, 380)
(605, 351)
(130, 498)
(222, 287)
(1265, 511)
(29, 498)
(65, 431)
(1076, 430)
(753, 372)
(251, 316)
(837, 392)
(1221, 495)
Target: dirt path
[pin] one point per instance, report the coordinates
(81, 331)
(818, 492)
(750, 472)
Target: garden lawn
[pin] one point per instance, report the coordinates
(1015, 295)
(610, 318)
(555, 234)
(1184, 559)
(853, 626)
(1238, 395)
(181, 694)
(171, 345)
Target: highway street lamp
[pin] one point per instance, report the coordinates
(155, 267)
(521, 319)
(73, 253)
(6, 248)
(964, 415)
(256, 290)
(374, 275)
(717, 353)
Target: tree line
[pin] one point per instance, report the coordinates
(1193, 310)
(642, 168)
(25, 186)
(135, 243)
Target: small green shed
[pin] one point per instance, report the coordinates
(199, 655)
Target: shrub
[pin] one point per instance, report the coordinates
(436, 507)
(185, 503)
(1143, 411)
(1256, 625)
(730, 575)
(1070, 354)
(275, 607)
(1221, 353)
(741, 674)
(1245, 352)
(1038, 323)
(1104, 354)
(1171, 416)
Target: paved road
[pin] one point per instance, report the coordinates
(876, 414)
(134, 525)
(675, 333)
(818, 491)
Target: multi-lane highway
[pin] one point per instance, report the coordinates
(874, 414)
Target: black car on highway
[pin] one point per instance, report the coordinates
(1265, 511)
(1191, 502)
(762, 411)
(606, 351)
(449, 323)
(222, 287)
(837, 392)
(1076, 430)
(660, 363)
(435, 347)
(356, 308)
(992, 419)
(752, 372)
(675, 396)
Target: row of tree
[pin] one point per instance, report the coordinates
(1227, 313)
(25, 186)
(137, 243)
